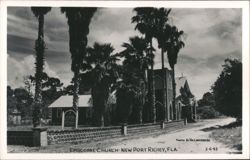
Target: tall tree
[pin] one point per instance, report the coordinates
(79, 19)
(39, 12)
(145, 24)
(134, 66)
(207, 100)
(173, 46)
(162, 36)
(51, 90)
(227, 89)
(24, 101)
(103, 75)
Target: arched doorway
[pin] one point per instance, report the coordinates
(70, 118)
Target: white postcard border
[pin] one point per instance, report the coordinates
(173, 4)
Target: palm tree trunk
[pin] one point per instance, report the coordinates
(40, 28)
(165, 110)
(141, 103)
(39, 47)
(174, 93)
(145, 98)
(75, 95)
(102, 120)
(152, 96)
(140, 116)
(38, 74)
(142, 98)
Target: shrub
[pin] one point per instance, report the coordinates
(206, 112)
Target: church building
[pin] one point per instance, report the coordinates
(185, 103)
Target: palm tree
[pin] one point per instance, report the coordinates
(145, 24)
(39, 12)
(79, 19)
(162, 36)
(173, 47)
(103, 76)
(135, 64)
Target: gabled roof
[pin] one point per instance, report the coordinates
(67, 101)
(181, 82)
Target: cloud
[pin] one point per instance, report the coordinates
(20, 24)
(21, 44)
(17, 70)
(209, 31)
(112, 26)
(212, 35)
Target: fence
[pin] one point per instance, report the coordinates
(80, 135)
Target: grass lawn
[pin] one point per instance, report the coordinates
(230, 135)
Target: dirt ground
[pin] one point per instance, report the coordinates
(193, 138)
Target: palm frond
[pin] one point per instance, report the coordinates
(38, 11)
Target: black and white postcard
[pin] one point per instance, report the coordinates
(124, 79)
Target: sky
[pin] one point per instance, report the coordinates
(211, 35)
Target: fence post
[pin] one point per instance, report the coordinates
(124, 129)
(63, 118)
(185, 121)
(40, 136)
(162, 124)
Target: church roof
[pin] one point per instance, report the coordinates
(67, 101)
(180, 83)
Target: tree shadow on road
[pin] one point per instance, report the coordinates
(227, 126)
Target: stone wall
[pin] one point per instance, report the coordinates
(80, 135)
(42, 136)
(151, 127)
(143, 128)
